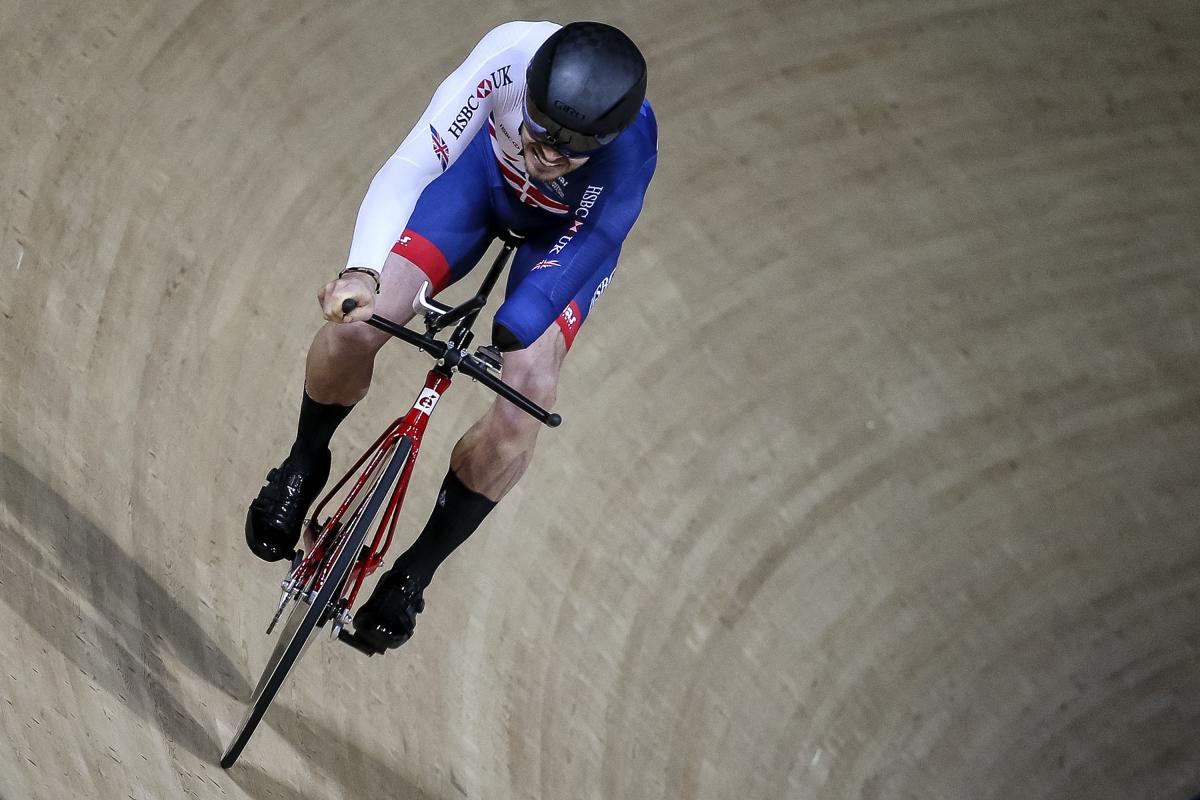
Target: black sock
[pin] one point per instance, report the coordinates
(317, 423)
(457, 514)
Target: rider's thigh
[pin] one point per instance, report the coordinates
(399, 284)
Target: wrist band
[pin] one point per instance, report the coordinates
(366, 271)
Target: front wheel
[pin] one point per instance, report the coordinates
(311, 608)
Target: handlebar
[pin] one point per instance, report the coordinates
(470, 365)
(452, 353)
(450, 358)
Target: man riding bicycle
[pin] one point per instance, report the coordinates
(544, 131)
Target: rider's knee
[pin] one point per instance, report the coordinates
(506, 422)
(536, 380)
(534, 371)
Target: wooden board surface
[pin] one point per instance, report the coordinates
(879, 471)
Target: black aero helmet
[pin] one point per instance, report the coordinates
(584, 85)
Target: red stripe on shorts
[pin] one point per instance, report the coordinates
(426, 255)
(569, 321)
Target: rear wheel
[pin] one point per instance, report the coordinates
(313, 607)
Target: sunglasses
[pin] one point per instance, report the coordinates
(570, 143)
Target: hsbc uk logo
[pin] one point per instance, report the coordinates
(600, 290)
(590, 195)
(486, 86)
(566, 238)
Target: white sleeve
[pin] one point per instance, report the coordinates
(393, 193)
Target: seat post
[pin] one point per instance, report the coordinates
(462, 334)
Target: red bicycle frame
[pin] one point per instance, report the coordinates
(411, 425)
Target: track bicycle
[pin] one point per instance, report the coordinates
(324, 579)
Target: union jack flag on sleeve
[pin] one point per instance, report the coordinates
(440, 148)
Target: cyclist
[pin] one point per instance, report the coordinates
(543, 130)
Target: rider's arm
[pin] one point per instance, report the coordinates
(419, 159)
(531, 308)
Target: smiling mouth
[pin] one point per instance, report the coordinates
(539, 154)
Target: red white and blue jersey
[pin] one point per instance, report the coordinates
(428, 193)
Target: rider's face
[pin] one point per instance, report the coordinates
(545, 163)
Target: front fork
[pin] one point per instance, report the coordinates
(313, 566)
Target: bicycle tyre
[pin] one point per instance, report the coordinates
(301, 625)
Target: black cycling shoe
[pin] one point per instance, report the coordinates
(388, 618)
(276, 516)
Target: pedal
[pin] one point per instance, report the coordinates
(357, 642)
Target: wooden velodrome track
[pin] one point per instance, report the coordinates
(879, 471)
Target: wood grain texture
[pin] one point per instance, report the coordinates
(879, 471)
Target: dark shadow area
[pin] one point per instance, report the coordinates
(54, 558)
(357, 772)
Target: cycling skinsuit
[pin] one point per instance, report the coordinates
(458, 180)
